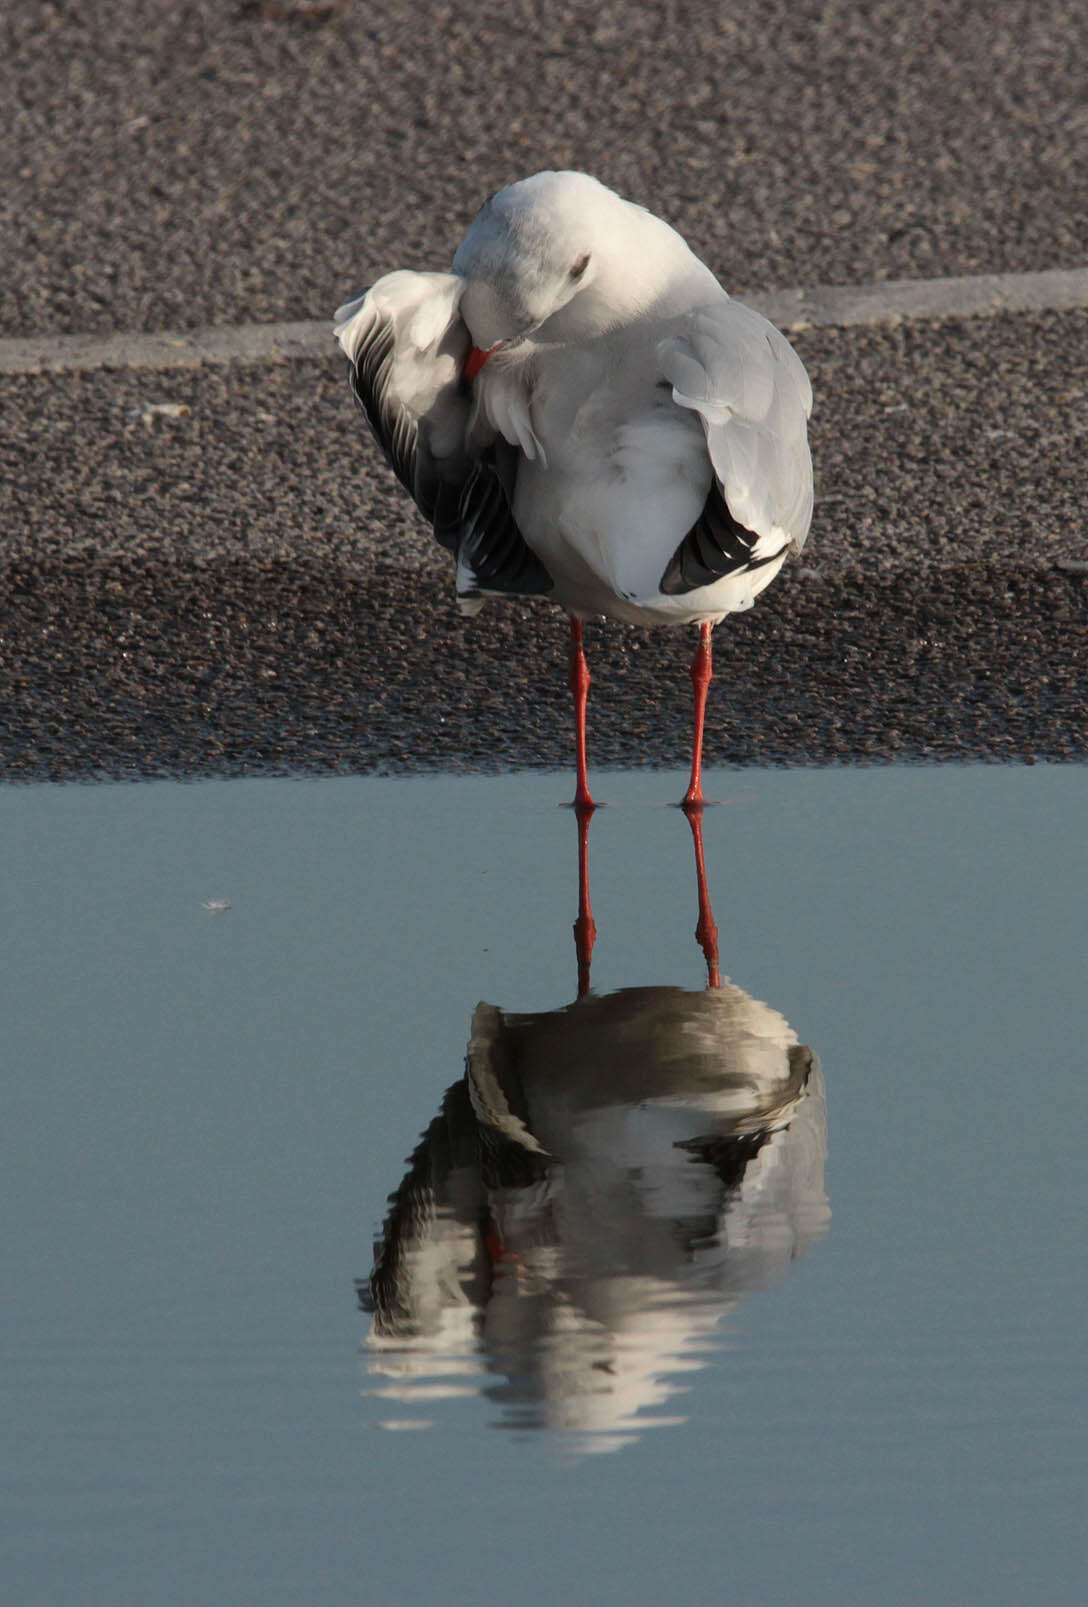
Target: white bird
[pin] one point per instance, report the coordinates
(580, 410)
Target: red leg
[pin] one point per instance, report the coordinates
(706, 931)
(585, 928)
(702, 670)
(579, 686)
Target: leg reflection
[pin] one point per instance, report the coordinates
(585, 928)
(579, 683)
(706, 930)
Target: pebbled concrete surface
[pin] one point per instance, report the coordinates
(231, 161)
(213, 572)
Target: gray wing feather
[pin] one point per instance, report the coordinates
(751, 392)
(407, 345)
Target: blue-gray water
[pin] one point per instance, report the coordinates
(205, 1112)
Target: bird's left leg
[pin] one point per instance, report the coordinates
(579, 685)
(702, 671)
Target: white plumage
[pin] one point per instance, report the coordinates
(582, 411)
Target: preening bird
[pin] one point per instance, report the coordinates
(581, 411)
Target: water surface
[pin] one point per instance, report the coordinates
(206, 1113)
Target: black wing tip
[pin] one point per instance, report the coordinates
(491, 546)
(717, 545)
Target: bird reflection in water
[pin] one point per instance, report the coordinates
(597, 1192)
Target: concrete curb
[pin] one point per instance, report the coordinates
(839, 306)
(197, 348)
(843, 306)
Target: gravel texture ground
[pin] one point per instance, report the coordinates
(212, 571)
(175, 165)
(237, 584)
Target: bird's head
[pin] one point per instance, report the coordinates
(545, 257)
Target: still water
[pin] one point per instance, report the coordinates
(351, 1256)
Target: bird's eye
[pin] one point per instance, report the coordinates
(580, 267)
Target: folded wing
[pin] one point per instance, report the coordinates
(753, 397)
(407, 346)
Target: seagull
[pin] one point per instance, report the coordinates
(581, 411)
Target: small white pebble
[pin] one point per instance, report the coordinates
(155, 410)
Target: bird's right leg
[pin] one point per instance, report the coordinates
(702, 673)
(579, 683)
